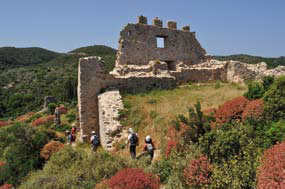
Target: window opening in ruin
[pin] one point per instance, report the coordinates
(160, 42)
(171, 65)
(129, 33)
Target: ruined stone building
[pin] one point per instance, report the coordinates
(140, 43)
(149, 56)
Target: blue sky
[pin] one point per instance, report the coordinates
(223, 27)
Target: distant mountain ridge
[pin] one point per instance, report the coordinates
(11, 57)
(271, 62)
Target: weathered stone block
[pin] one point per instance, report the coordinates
(157, 22)
(172, 25)
(186, 28)
(142, 19)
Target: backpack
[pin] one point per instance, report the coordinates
(149, 147)
(133, 140)
(95, 141)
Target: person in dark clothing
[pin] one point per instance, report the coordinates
(149, 146)
(133, 141)
(94, 140)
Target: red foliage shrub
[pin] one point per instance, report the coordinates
(133, 178)
(271, 173)
(62, 109)
(198, 172)
(43, 120)
(231, 110)
(6, 186)
(171, 145)
(25, 117)
(2, 163)
(253, 109)
(50, 148)
(3, 123)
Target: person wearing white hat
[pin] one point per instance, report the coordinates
(149, 146)
(133, 140)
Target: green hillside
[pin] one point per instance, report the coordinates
(11, 57)
(98, 50)
(23, 88)
(271, 62)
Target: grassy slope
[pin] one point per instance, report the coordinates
(151, 113)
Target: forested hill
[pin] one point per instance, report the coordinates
(11, 57)
(99, 50)
(271, 62)
(30, 74)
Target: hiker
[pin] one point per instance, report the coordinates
(149, 146)
(73, 130)
(134, 142)
(69, 137)
(95, 141)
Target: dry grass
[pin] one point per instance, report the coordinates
(151, 113)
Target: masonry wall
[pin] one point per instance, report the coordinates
(138, 45)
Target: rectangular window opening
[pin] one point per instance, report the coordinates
(160, 42)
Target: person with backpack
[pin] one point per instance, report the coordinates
(149, 146)
(95, 141)
(133, 140)
(69, 137)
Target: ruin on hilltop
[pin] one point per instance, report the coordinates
(149, 56)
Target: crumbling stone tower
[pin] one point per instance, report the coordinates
(140, 43)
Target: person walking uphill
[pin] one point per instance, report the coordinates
(133, 140)
(95, 141)
(149, 146)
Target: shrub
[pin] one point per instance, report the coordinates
(267, 81)
(254, 109)
(198, 172)
(163, 169)
(6, 186)
(51, 108)
(75, 168)
(231, 110)
(198, 122)
(43, 120)
(274, 100)
(133, 178)
(255, 91)
(2, 163)
(25, 117)
(171, 145)
(276, 131)
(223, 144)
(271, 172)
(3, 123)
(20, 149)
(238, 172)
(62, 109)
(50, 148)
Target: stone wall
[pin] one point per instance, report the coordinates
(93, 80)
(138, 44)
(110, 103)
